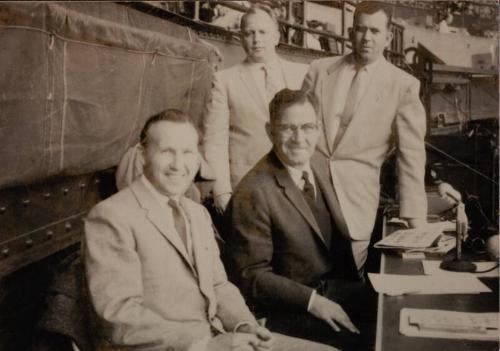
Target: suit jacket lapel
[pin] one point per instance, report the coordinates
(292, 192)
(159, 219)
(369, 100)
(200, 247)
(329, 90)
(253, 89)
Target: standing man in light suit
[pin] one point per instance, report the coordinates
(368, 106)
(234, 123)
(153, 268)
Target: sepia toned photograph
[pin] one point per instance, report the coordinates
(287, 175)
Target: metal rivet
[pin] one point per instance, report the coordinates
(47, 195)
(83, 185)
(49, 233)
(3, 209)
(29, 242)
(65, 190)
(26, 202)
(5, 252)
(68, 226)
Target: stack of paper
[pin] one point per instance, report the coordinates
(397, 284)
(449, 324)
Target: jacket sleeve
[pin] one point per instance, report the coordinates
(410, 131)
(216, 135)
(113, 272)
(309, 83)
(231, 306)
(250, 252)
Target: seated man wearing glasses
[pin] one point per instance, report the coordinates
(283, 247)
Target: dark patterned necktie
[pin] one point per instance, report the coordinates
(179, 222)
(308, 188)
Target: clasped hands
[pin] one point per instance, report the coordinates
(249, 337)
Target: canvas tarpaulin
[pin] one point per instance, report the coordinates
(78, 80)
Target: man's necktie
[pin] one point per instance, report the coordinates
(350, 105)
(179, 222)
(271, 88)
(308, 189)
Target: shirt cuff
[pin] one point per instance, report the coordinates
(241, 324)
(311, 300)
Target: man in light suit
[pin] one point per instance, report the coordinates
(234, 133)
(368, 106)
(283, 247)
(153, 268)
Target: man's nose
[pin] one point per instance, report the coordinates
(298, 135)
(176, 162)
(367, 35)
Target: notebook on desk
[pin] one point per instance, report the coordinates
(449, 324)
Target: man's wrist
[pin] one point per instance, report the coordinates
(226, 193)
(311, 300)
(244, 327)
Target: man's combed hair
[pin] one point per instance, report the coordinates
(254, 9)
(170, 115)
(286, 98)
(371, 7)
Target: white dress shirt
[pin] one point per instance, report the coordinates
(163, 203)
(345, 77)
(274, 69)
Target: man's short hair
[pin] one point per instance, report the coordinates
(254, 9)
(170, 115)
(286, 98)
(371, 7)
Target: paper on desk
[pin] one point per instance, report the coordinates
(398, 284)
(413, 238)
(449, 324)
(432, 267)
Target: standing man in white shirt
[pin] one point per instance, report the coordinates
(234, 122)
(368, 106)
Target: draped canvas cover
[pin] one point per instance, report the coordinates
(78, 80)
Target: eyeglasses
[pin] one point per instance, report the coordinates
(289, 129)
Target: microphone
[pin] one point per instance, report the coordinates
(458, 263)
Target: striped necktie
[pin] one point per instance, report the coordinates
(179, 221)
(352, 100)
(270, 85)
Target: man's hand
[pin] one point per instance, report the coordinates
(266, 341)
(332, 314)
(233, 342)
(221, 201)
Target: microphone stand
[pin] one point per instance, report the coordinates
(458, 263)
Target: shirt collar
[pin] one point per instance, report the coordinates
(370, 67)
(296, 173)
(162, 199)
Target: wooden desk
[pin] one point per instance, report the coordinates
(388, 337)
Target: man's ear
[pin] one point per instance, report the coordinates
(388, 38)
(350, 33)
(269, 131)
